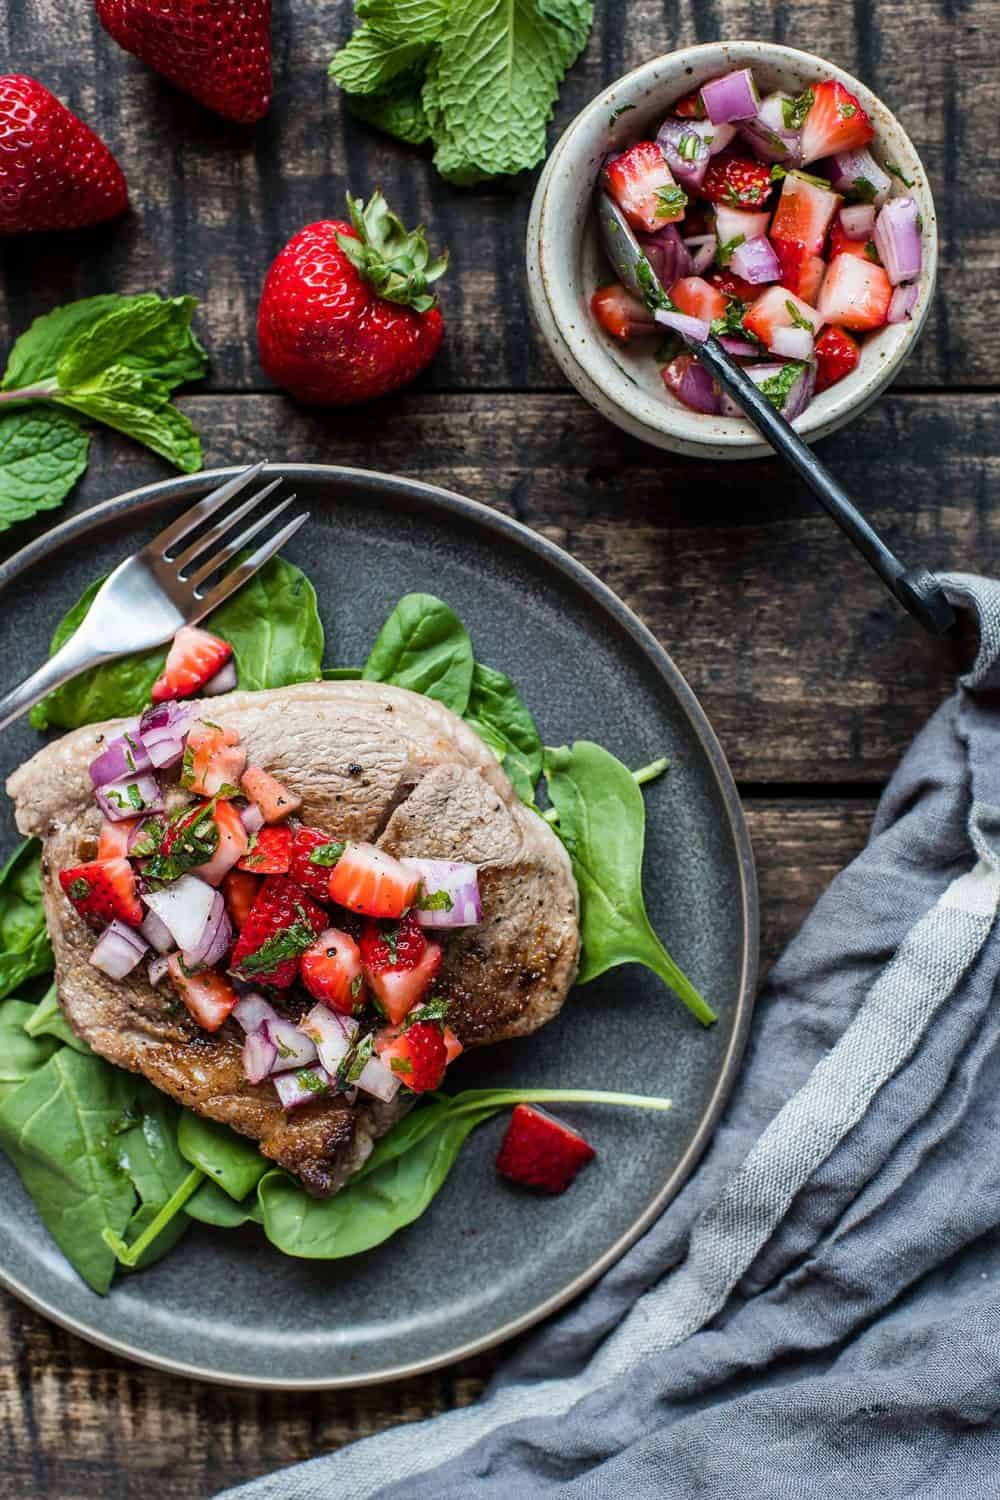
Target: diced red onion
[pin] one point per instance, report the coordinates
(716, 137)
(739, 348)
(157, 969)
(215, 938)
(156, 933)
(376, 1079)
(848, 168)
(259, 1055)
(702, 250)
(767, 134)
(118, 949)
(253, 1010)
(293, 1049)
(733, 97)
(162, 729)
(667, 254)
(756, 261)
(902, 303)
(123, 757)
(857, 220)
(460, 883)
(730, 223)
(185, 907)
(796, 401)
(792, 343)
(298, 1088)
(252, 818)
(897, 239)
(696, 388)
(691, 328)
(117, 800)
(333, 1034)
(685, 152)
(223, 682)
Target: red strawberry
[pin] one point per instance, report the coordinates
(314, 875)
(779, 308)
(540, 1151)
(217, 51)
(737, 181)
(239, 889)
(369, 881)
(274, 799)
(399, 963)
(694, 296)
(55, 173)
(102, 890)
(346, 312)
(193, 659)
(113, 843)
(835, 122)
(690, 107)
(213, 760)
(643, 186)
(231, 847)
(621, 314)
(804, 211)
(417, 1055)
(208, 996)
(841, 244)
(801, 272)
(836, 356)
(283, 922)
(855, 294)
(269, 851)
(331, 971)
(732, 285)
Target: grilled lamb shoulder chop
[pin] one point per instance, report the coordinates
(371, 762)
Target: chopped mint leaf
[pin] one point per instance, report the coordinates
(724, 252)
(401, 1065)
(777, 387)
(288, 943)
(794, 111)
(356, 1060)
(436, 1009)
(871, 252)
(79, 889)
(652, 293)
(670, 200)
(326, 855)
(687, 146)
(891, 167)
(863, 190)
(798, 321)
(436, 901)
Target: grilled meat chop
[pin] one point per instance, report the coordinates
(371, 762)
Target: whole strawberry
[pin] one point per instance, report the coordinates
(346, 312)
(55, 173)
(219, 51)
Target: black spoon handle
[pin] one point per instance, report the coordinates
(916, 588)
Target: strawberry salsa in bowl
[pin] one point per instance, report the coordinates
(780, 206)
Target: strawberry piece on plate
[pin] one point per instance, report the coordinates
(239, 891)
(417, 1055)
(690, 107)
(452, 1046)
(400, 965)
(698, 299)
(369, 881)
(779, 308)
(231, 847)
(837, 355)
(314, 854)
(195, 656)
(213, 760)
(113, 843)
(643, 186)
(804, 212)
(55, 173)
(737, 181)
(801, 272)
(835, 123)
(208, 996)
(540, 1151)
(268, 794)
(331, 971)
(621, 314)
(103, 890)
(855, 294)
(269, 852)
(283, 922)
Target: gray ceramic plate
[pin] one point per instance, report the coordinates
(486, 1260)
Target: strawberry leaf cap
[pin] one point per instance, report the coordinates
(396, 262)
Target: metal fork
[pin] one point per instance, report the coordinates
(151, 595)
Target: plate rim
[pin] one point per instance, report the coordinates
(437, 499)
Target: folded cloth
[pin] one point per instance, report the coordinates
(818, 1313)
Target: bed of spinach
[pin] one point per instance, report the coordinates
(118, 1171)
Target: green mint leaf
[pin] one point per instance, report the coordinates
(404, 20)
(863, 191)
(798, 321)
(36, 354)
(110, 337)
(164, 429)
(437, 901)
(390, 937)
(671, 200)
(871, 251)
(435, 1009)
(724, 252)
(794, 111)
(777, 387)
(326, 855)
(42, 455)
(355, 1061)
(891, 167)
(371, 60)
(653, 294)
(288, 943)
(398, 110)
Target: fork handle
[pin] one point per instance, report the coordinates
(69, 661)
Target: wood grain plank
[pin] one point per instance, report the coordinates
(808, 670)
(213, 203)
(76, 1422)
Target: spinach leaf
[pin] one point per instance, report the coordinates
(272, 624)
(341, 674)
(424, 646)
(25, 950)
(159, 1244)
(225, 1157)
(210, 1205)
(20, 1055)
(602, 822)
(147, 1153)
(499, 715)
(47, 1020)
(56, 1128)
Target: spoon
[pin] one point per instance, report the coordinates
(916, 589)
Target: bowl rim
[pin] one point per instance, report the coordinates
(589, 360)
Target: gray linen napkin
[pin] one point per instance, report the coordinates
(818, 1312)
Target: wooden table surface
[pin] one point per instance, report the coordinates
(814, 680)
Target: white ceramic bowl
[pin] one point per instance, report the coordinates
(565, 263)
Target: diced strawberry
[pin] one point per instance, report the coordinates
(368, 880)
(804, 212)
(855, 294)
(213, 760)
(208, 996)
(840, 244)
(731, 223)
(691, 107)
(452, 1046)
(737, 181)
(232, 845)
(540, 1151)
(283, 922)
(331, 971)
(801, 272)
(417, 1055)
(193, 659)
(113, 843)
(621, 314)
(269, 851)
(732, 285)
(400, 965)
(103, 890)
(779, 308)
(274, 799)
(643, 186)
(239, 890)
(837, 355)
(694, 296)
(835, 122)
(314, 874)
